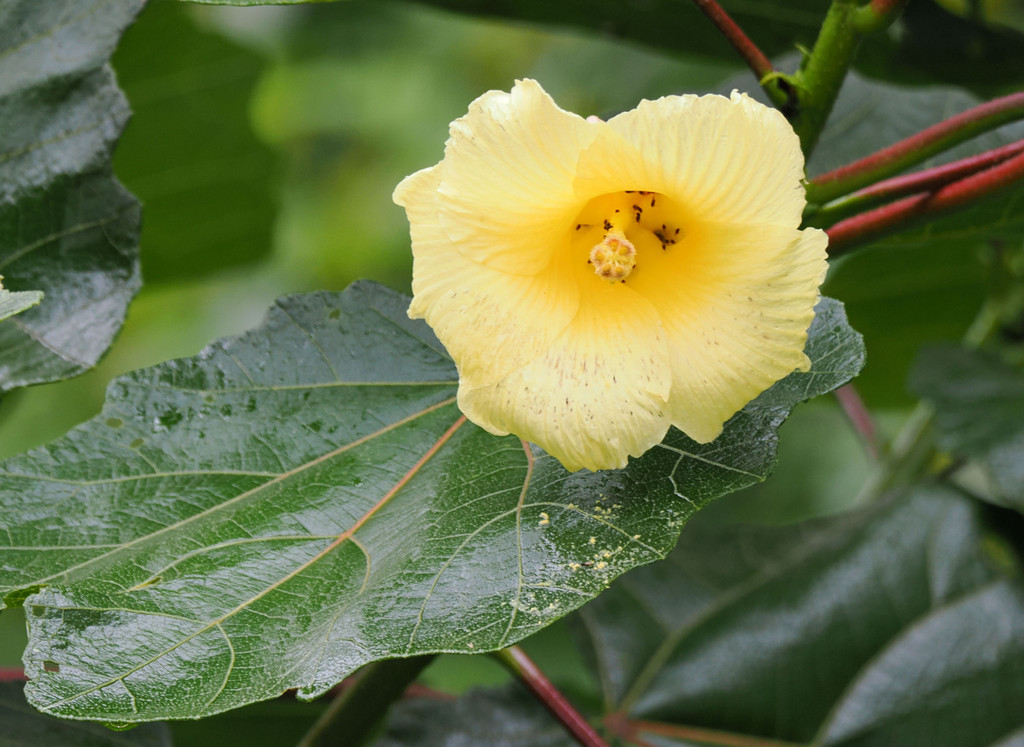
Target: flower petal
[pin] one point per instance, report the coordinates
(508, 173)
(596, 396)
(482, 316)
(724, 159)
(735, 309)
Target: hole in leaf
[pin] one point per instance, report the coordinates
(136, 443)
(115, 422)
(51, 666)
(38, 611)
(334, 314)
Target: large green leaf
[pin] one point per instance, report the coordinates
(303, 499)
(66, 226)
(979, 411)
(22, 726)
(189, 153)
(888, 626)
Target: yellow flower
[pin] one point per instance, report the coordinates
(596, 282)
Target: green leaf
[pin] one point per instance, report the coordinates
(293, 503)
(979, 411)
(886, 626)
(67, 227)
(190, 153)
(23, 726)
(15, 303)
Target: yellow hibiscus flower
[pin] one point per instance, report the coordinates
(596, 282)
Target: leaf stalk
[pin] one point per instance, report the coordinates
(517, 662)
(921, 181)
(916, 148)
(896, 216)
(773, 84)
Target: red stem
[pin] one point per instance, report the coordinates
(520, 664)
(916, 148)
(951, 197)
(754, 57)
(12, 674)
(939, 176)
(857, 413)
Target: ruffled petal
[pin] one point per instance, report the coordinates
(596, 396)
(507, 183)
(490, 322)
(735, 307)
(724, 159)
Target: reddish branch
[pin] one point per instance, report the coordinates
(950, 197)
(749, 51)
(939, 176)
(12, 674)
(859, 417)
(522, 667)
(916, 148)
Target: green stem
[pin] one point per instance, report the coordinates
(517, 662)
(357, 711)
(824, 70)
(915, 149)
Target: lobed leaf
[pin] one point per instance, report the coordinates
(295, 502)
(67, 227)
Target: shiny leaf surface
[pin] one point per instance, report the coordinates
(293, 503)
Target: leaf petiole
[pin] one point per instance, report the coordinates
(520, 665)
(915, 149)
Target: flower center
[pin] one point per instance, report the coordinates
(615, 229)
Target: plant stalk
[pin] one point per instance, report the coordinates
(898, 215)
(860, 418)
(823, 72)
(517, 662)
(756, 60)
(915, 149)
(921, 181)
